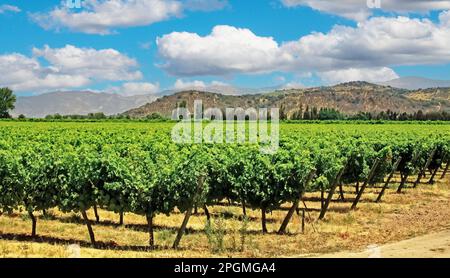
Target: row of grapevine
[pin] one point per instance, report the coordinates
(143, 172)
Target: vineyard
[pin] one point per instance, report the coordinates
(135, 168)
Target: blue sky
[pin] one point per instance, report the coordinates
(251, 43)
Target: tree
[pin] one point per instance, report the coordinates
(307, 115)
(155, 116)
(330, 114)
(283, 114)
(7, 100)
(314, 114)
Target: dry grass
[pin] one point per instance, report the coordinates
(400, 216)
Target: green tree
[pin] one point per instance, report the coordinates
(307, 114)
(7, 100)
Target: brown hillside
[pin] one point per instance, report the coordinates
(349, 98)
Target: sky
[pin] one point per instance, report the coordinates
(134, 47)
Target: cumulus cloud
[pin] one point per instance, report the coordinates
(9, 8)
(358, 74)
(196, 84)
(226, 50)
(135, 88)
(182, 85)
(68, 67)
(378, 42)
(23, 73)
(361, 9)
(104, 64)
(352, 9)
(370, 49)
(103, 16)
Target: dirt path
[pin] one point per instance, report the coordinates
(435, 245)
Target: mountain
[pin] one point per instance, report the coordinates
(77, 102)
(349, 98)
(85, 102)
(416, 83)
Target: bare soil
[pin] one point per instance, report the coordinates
(436, 245)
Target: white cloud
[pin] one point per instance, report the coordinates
(444, 18)
(196, 84)
(105, 64)
(360, 10)
(9, 8)
(226, 50)
(378, 42)
(353, 74)
(371, 47)
(103, 16)
(182, 85)
(68, 67)
(22, 73)
(99, 17)
(353, 9)
(135, 88)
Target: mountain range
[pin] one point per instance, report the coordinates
(403, 94)
(77, 103)
(416, 83)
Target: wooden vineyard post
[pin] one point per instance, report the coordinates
(431, 181)
(244, 210)
(336, 182)
(405, 178)
(97, 217)
(33, 223)
(322, 197)
(341, 192)
(208, 216)
(188, 214)
(303, 220)
(422, 171)
(294, 206)
(263, 220)
(368, 180)
(151, 240)
(391, 175)
(121, 218)
(87, 222)
(445, 170)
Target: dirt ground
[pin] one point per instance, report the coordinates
(436, 245)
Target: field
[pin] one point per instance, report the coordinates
(58, 172)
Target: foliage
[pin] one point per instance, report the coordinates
(139, 169)
(7, 100)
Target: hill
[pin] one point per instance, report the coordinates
(349, 98)
(77, 102)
